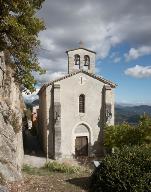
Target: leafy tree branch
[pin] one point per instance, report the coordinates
(19, 28)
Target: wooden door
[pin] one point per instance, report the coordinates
(81, 146)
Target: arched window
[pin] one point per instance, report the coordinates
(87, 61)
(77, 59)
(82, 103)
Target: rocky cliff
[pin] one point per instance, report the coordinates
(11, 110)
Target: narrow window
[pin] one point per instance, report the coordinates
(87, 61)
(81, 103)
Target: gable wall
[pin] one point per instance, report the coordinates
(70, 89)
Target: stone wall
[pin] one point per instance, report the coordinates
(11, 110)
(82, 53)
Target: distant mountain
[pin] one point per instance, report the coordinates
(35, 102)
(30, 105)
(130, 114)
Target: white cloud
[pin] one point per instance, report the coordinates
(99, 24)
(117, 59)
(29, 98)
(42, 79)
(48, 76)
(139, 71)
(54, 69)
(136, 53)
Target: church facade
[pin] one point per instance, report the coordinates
(74, 109)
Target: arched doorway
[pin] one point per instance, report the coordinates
(81, 140)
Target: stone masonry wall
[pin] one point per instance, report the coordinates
(11, 109)
(82, 53)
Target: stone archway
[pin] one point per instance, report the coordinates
(81, 140)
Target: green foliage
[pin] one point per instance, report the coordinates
(125, 134)
(19, 28)
(61, 167)
(34, 170)
(128, 169)
(27, 168)
(145, 125)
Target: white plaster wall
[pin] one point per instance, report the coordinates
(46, 120)
(70, 89)
(34, 109)
(68, 96)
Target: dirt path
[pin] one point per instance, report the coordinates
(54, 182)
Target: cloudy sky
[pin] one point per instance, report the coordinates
(118, 30)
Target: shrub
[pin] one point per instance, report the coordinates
(125, 134)
(33, 170)
(126, 170)
(61, 167)
(145, 126)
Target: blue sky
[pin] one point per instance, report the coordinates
(118, 30)
(131, 89)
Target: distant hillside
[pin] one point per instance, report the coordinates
(130, 114)
(30, 105)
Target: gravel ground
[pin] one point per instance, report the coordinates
(54, 182)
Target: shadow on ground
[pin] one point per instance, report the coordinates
(32, 145)
(83, 182)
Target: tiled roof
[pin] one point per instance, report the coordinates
(80, 48)
(99, 78)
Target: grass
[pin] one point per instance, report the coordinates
(61, 167)
(52, 167)
(34, 170)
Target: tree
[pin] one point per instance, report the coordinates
(19, 28)
(129, 135)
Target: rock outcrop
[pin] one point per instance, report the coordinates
(11, 110)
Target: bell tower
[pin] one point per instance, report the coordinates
(81, 59)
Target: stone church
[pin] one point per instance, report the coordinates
(74, 109)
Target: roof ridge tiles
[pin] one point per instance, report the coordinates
(100, 78)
